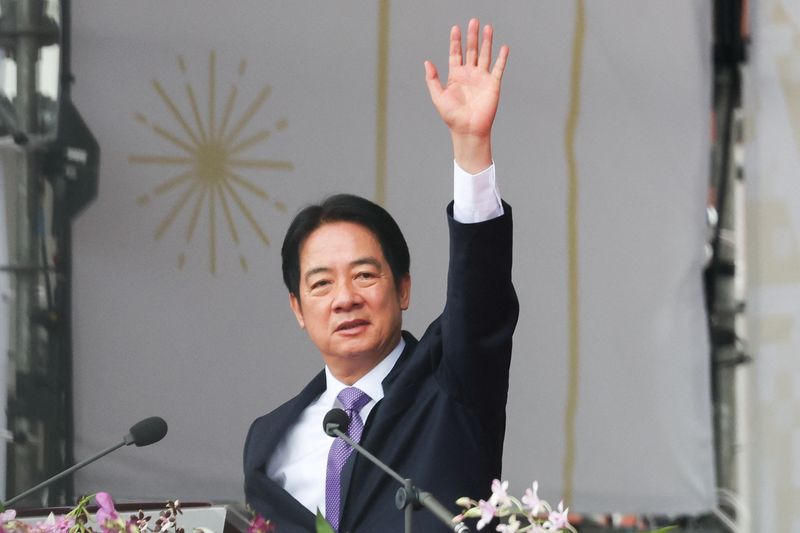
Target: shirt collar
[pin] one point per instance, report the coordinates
(371, 382)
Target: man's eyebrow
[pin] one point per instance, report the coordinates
(367, 261)
(317, 270)
(360, 261)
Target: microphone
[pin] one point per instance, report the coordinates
(146, 432)
(335, 419)
(408, 496)
(142, 433)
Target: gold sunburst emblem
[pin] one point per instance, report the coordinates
(207, 160)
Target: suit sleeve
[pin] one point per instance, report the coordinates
(480, 313)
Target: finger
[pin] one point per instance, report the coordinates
(485, 57)
(472, 43)
(500, 63)
(455, 47)
(432, 80)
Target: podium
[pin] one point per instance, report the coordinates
(219, 518)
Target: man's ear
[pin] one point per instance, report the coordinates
(404, 291)
(294, 303)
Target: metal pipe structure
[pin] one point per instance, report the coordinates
(724, 294)
(59, 164)
(23, 464)
(36, 374)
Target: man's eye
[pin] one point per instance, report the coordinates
(320, 284)
(365, 278)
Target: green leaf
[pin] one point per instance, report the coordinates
(664, 529)
(322, 525)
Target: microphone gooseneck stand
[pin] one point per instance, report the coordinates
(408, 497)
(143, 433)
(63, 474)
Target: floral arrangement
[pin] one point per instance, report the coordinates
(107, 519)
(529, 514)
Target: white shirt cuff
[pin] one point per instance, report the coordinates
(475, 196)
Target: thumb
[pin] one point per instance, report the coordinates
(432, 80)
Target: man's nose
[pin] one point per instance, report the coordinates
(346, 297)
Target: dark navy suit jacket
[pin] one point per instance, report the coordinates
(442, 419)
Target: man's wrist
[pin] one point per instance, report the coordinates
(472, 153)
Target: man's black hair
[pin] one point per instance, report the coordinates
(344, 208)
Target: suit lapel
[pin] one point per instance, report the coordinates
(278, 423)
(394, 401)
(362, 484)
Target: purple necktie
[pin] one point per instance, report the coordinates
(352, 400)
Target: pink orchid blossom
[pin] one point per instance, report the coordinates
(48, 526)
(499, 495)
(558, 519)
(531, 499)
(260, 525)
(106, 512)
(6, 519)
(487, 513)
(64, 523)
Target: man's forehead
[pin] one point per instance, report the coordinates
(332, 237)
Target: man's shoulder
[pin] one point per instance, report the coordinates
(285, 414)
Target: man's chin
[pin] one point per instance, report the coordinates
(359, 350)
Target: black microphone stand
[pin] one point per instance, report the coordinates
(408, 496)
(143, 433)
(65, 473)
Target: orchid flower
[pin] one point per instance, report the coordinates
(532, 501)
(558, 519)
(499, 495)
(64, 524)
(48, 526)
(260, 525)
(487, 513)
(106, 511)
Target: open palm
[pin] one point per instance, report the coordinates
(468, 102)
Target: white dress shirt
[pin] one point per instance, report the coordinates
(299, 462)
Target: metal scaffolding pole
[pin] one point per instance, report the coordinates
(50, 163)
(724, 295)
(24, 466)
(34, 391)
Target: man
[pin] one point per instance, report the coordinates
(433, 409)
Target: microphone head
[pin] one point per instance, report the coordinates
(335, 419)
(146, 432)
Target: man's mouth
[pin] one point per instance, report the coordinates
(351, 325)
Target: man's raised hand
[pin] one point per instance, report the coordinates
(468, 102)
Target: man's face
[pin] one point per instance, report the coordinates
(349, 303)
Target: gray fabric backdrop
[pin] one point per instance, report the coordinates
(178, 319)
